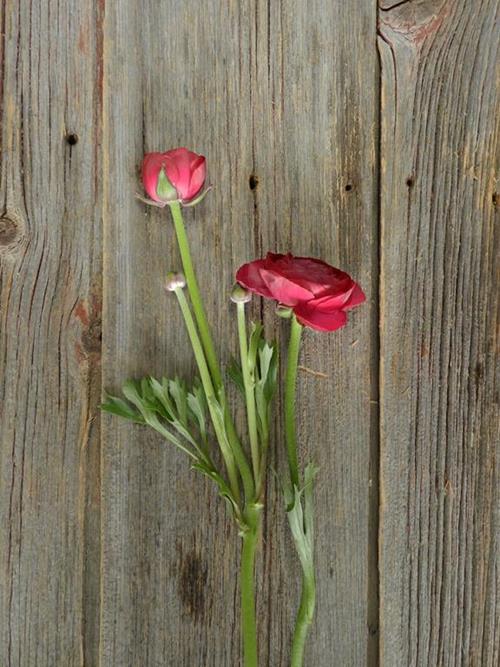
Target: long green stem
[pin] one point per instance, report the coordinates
(249, 393)
(209, 349)
(248, 621)
(301, 517)
(290, 382)
(209, 389)
(194, 293)
(304, 617)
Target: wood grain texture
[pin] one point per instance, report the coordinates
(439, 307)
(268, 89)
(50, 277)
(113, 553)
(314, 147)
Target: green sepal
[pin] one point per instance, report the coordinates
(164, 188)
(198, 199)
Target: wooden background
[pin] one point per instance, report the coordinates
(368, 135)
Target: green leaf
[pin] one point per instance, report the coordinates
(131, 391)
(301, 517)
(197, 405)
(223, 487)
(178, 391)
(253, 345)
(235, 373)
(161, 394)
(120, 408)
(265, 387)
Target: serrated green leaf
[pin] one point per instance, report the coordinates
(131, 391)
(300, 517)
(161, 394)
(253, 345)
(223, 487)
(120, 408)
(235, 373)
(178, 391)
(197, 410)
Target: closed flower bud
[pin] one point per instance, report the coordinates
(240, 295)
(175, 176)
(175, 281)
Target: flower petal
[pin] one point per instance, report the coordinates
(181, 166)
(312, 317)
(357, 297)
(250, 277)
(313, 274)
(151, 167)
(286, 291)
(198, 176)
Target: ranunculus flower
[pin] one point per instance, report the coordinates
(177, 175)
(318, 293)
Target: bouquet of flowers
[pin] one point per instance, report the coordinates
(197, 417)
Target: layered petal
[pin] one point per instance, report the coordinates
(283, 289)
(357, 297)
(185, 171)
(311, 316)
(318, 293)
(249, 275)
(151, 167)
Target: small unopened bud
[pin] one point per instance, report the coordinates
(240, 295)
(175, 281)
(284, 311)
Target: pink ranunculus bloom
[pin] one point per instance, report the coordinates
(318, 293)
(177, 175)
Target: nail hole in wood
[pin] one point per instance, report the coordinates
(72, 138)
(253, 181)
(348, 187)
(409, 182)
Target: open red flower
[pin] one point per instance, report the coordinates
(177, 175)
(319, 294)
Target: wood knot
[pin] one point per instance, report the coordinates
(8, 230)
(415, 21)
(88, 314)
(92, 337)
(11, 231)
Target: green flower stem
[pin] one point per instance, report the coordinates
(250, 537)
(209, 389)
(209, 349)
(304, 617)
(248, 382)
(194, 293)
(290, 382)
(302, 533)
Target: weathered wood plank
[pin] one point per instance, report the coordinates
(178, 75)
(272, 90)
(314, 147)
(439, 303)
(50, 295)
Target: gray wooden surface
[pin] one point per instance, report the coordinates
(439, 506)
(372, 137)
